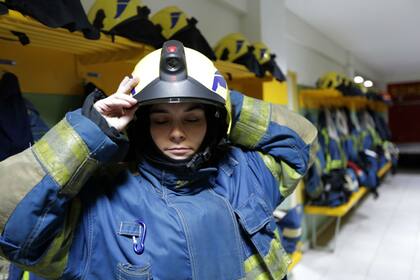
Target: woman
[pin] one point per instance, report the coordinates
(211, 166)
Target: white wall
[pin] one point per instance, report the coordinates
(298, 46)
(399, 77)
(310, 53)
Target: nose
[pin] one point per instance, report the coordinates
(177, 134)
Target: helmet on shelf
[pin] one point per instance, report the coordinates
(267, 60)
(176, 25)
(236, 48)
(127, 19)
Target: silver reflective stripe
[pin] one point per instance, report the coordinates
(292, 232)
(19, 174)
(65, 156)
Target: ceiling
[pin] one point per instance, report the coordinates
(384, 34)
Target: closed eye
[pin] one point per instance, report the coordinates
(159, 122)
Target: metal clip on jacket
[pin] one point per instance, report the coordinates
(138, 247)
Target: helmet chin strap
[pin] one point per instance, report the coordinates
(198, 159)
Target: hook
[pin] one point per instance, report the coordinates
(138, 247)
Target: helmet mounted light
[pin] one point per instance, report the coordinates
(174, 84)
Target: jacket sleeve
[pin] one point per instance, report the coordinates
(37, 207)
(284, 139)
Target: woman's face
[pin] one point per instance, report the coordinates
(178, 129)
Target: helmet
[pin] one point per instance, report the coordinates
(330, 80)
(175, 74)
(236, 48)
(172, 19)
(232, 47)
(176, 25)
(127, 19)
(361, 87)
(261, 53)
(111, 13)
(267, 60)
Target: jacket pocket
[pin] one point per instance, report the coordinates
(127, 271)
(256, 218)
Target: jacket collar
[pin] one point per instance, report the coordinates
(182, 180)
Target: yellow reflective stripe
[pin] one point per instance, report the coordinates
(272, 165)
(287, 177)
(25, 275)
(276, 261)
(255, 268)
(252, 123)
(335, 164)
(61, 151)
(228, 107)
(251, 263)
(290, 179)
(376, 138)
(53, 263)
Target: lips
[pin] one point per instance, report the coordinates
(179, 151)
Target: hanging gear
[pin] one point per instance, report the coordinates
(237, 49)
(126, 19)
(176, 25)
(267, 61)
(68, 14)
(15, 130)
(175, 74)
(3, 9)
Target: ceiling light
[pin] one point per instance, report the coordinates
(358, 79)
(368, 83)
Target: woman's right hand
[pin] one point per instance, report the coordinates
(119, 108)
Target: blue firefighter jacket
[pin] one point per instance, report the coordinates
(65, 216)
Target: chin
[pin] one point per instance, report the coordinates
(174, 157)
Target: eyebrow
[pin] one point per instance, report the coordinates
(189, 109)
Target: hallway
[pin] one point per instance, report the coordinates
(379, 240)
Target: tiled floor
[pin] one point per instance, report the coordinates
(380, 240)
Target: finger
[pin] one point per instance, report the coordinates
(130, 112)
(123, 82)
(126, 85)
(129, 86)
(127, 98)
(112, 105)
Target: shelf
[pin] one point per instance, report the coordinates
(296, 257)
(317, 98)
(338, 211)
(384, 169)
(341, 210)
(60, 39)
